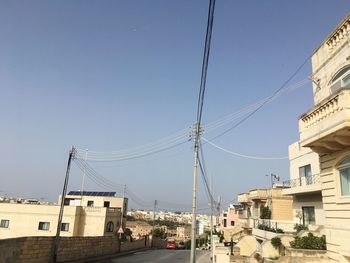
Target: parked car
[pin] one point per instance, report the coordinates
(171, 245)
(181, 245)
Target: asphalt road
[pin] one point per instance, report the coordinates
(161, 255)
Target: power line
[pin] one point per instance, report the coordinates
(112, 158)
(243, 155)
(265, 102)
(250, 108)
(180, 137)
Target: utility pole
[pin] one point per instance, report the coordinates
(198, 125)
(194, 197)
(211, 218)
(60, 215)
(122, 213)
(154, 219)
(83, 181)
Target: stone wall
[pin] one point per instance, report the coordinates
(305, 253)
(38, 249)
(84, 247)
(137, 244)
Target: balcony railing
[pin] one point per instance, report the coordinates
(302, 181)
(259, 194)
(274, 226)
(325, 127)
(245, 222)
(243, 198)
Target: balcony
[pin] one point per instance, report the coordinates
(267, 229)
(326, 127)
(259, 194)
(243, 198)
(245, 222)
(302, 185)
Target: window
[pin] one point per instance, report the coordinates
(308, 215)
(340, 73)
(65, 227)
(67, 201)
(90, 203)
(44, 226)
(305, 171)
(4, 223)
(225, 222)
(340, 80)
(110, 227)
(232, 223)
(225, 215)
(344, 171)
(106, 204)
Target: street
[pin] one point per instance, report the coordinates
(161, 255)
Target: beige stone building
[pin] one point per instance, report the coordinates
(100, 215)
(139, 228)
(305, 186)
(183, 232)
(279, 205)
(326, 130)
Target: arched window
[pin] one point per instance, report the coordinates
(340, 73)
(110, 226)
(344, 172)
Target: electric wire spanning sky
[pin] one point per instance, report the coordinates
(107, 76)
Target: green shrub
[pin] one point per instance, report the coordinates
(309, 242)
(276, 242)
(300, 227)
(270, 229)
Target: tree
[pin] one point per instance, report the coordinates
(159, 232)
(265, 212)
(126, 235)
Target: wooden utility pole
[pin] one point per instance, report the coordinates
(60, 215)
(154, 219)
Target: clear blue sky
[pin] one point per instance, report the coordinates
(109, 75)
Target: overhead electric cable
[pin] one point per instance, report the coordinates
(243, 155)
(133, 156)
(268, 99)
(97, 178)
(250, 108)
(180, 137)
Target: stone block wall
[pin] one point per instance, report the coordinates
(128, 246)
(38, 249)
(72, 248)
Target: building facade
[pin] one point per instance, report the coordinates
(256, 201)
(325, 129)
(305, 186)
(18, 220)
(229, 217)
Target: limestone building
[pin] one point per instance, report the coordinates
(325, 129)
(305, 186)
(99, 215)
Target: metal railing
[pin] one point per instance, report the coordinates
(302, 181)
(274, 225)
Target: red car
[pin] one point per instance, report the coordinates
(171, 245)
